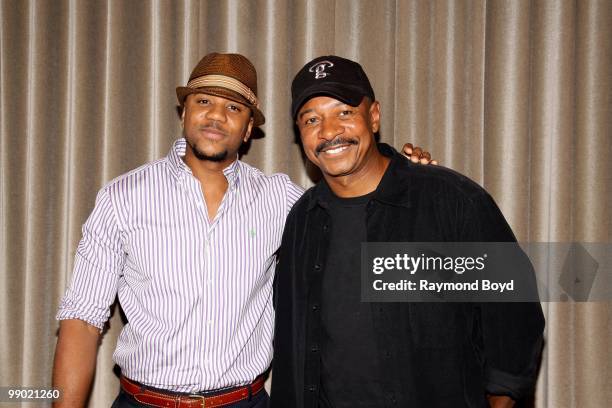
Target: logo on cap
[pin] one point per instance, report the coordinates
(319, 69)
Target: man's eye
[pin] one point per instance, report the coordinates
(202, 101)
(346, 112)
(310, 121)
(234, 108)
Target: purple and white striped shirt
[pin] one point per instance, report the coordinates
(197, 294)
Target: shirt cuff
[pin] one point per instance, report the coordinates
(70, 310)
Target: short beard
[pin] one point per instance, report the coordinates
(217, 157)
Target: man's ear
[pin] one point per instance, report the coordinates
(375, 116)
(183, 118)
(247, 134)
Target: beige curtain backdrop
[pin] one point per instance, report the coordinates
(515, 94)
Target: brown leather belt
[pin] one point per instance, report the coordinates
(162, 399)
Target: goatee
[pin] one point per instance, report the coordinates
(217, 157)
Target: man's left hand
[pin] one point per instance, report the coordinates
(500, 401)
(417, 155)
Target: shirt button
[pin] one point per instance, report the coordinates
(314, 348)
(317, 267)
(312, 388)
(315, 308)
(210, 322)
(325, 227)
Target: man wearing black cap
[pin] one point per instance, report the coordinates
(331, 349)
(188, 245)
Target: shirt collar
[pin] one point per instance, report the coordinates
(179, 168)
(232, 172)
(175, 158)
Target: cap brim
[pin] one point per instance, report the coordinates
(351, 95)
(182, 92)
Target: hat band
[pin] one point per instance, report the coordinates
(223, 81)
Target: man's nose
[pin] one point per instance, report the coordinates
(216, 112)
(330, 128)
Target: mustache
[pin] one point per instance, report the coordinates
(335, 142)
(213, 125)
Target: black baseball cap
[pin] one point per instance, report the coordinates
(333, 76)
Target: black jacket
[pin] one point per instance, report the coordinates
(433, 354)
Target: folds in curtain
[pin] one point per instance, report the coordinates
(515, 94)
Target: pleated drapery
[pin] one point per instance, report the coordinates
(515, 94)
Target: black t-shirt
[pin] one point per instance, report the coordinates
(349, 366)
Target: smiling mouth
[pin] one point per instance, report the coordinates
(336, 150)
(334, 147)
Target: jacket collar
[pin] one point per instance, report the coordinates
(391, 190)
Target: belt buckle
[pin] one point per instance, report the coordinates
(202, 398)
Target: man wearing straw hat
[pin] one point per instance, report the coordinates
(188, 245)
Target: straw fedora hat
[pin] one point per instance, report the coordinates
(230, 76)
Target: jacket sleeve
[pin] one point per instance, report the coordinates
(509, 335)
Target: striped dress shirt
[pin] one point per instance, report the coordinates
(197, 294)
